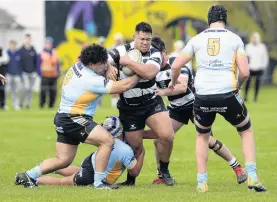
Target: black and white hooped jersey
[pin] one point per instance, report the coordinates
(163, 79)
(145, 89)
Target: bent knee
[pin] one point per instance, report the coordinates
(166, 137)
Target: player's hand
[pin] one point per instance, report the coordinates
(159, 92)
(171, 86)
(3, 79)
(112, 73)
(125, 60)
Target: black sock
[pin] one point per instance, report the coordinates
(164, 166)
(131, 179)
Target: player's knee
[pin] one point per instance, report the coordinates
(245, 125)
(166, 137)
(202, 130)
(108, 141)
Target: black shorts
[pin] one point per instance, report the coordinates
(73, 129)
(85, 176)
(182, 115)
(229, 105)
(133, 117)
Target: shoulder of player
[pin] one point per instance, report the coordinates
(153, 50)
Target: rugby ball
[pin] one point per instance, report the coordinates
(136, 56)
(113, 125)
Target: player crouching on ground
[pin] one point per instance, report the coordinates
(122, 158)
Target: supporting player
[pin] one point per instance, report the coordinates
(83, 84)
(122, 158)
(140, 106)
(217, 52)
(181, 109)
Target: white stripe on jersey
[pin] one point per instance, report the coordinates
(182, 101)
(136, 92)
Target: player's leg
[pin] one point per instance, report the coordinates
(221, 150)
(65, 154)
(70, 170)
(176, 126)
(203, 121)
(159, 121)
(238, 116)
(98, 136)
(50, 180)
(133, 121)
(135, 140)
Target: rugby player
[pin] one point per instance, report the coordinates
(121, 158)
(180, 108)
(83, 85)
(140, 106)
(218, 51)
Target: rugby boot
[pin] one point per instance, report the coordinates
(256, 185)
(168, 179)
(25, 180)
(241, 174)
(203, 187)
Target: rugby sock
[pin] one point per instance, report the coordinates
(164, 166)
(201, 178)
(131, 179)
(233, 163)
(251, 170)
(98, 177)
(159, 173)
(34, 173)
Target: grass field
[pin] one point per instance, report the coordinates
(28, 137)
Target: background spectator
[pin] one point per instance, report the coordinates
(48, 69)
(29, 65)
(258, 62)
(13, 74)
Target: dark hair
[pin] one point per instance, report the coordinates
(143, 27)
(217, 13)
(28, 35)
(93, 54)
(158, 43)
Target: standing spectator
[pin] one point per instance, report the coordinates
(48, 69)
(13, 74)
(29, 65)
(3, 66)
(258, 61)
(118, 40)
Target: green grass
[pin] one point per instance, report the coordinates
(28, 137)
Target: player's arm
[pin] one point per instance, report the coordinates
(102, 85)
(180, 87)
(183, 58)
(149, 70)
(242, 63)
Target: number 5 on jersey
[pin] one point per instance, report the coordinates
(213, 46)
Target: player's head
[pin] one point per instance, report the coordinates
(95, 57)
(113, 125)
(255, 38)
(143, 36)
(217, 13)
(158, 43)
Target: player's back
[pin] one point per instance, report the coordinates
(77, 96)
(122, 157)
(215, 50)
